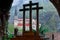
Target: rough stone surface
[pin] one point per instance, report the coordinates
(56, 36)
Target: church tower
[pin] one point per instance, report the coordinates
(15, 18)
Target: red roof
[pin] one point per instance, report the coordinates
(22, 25)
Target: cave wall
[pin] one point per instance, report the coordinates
(57, 5)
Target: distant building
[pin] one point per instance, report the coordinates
(19, 24)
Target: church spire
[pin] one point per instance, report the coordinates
(15, 12)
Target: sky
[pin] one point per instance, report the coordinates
(15, 2)
(45, 3)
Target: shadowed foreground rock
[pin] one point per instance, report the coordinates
(5, 6)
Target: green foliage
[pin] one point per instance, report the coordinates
(11, 28)
(44, 29)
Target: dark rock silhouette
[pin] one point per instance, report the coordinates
(5, 6)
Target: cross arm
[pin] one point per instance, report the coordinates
(26, 9)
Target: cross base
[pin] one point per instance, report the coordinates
(28, 36)
(28, 33)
